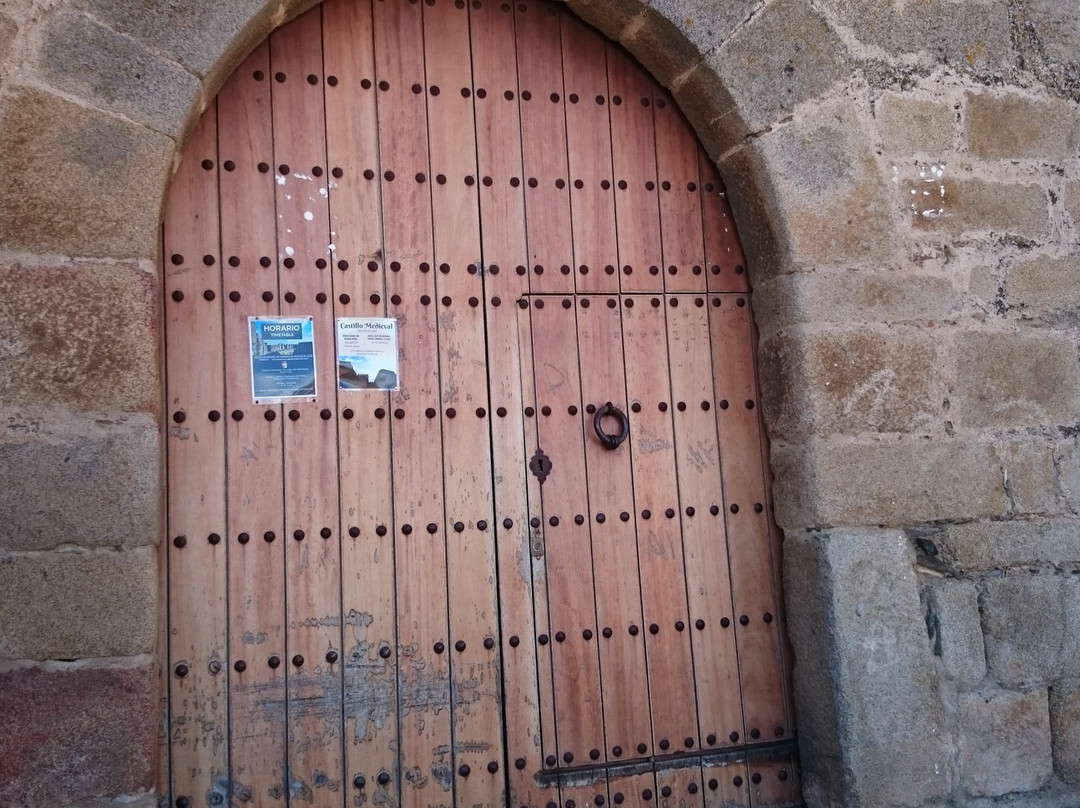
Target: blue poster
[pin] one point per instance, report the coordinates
(282, 358)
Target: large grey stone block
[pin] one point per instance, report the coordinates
(77, 732)
(1046, 34)
(1010, 126)
(998, 383)
(114, 72)
(78, 181)
(8, 29)
(829, 195)
(1045, 285)
(1031, 626)
(971, 35)
(988, 545)
(80, 335)
(852, 381)
(1065, 729)
(1004, 742)
(87, 480)
(705, 23)
(910, 126)
(78, 604)
(972, 205)
(953, 619)
(852, 298)
(785, 55)
(899, 481)
(872, 731)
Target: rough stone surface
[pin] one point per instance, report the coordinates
(989, 545)
(1029, 476)
(76, 733)
(888, 481)
(92, 481)
(1045, 284)
(705, 22)
(785, 55)
(1047, 38)
(81, 336)
(1031, 625)
(1065, 730)
(1072, 200)
(851, 297)
(972, 35)
(195, 33)
(1012, 126)
(1004, 208)
(998, 384)
(116, 73)
(8, 29)
(709, 110)
(855, 381)
(868, 669)
(911, 126)
(78, 181)
(1004, 742)
(76, 604)
(956, 632)
(1067, 462)
(660, 46)
(830, 195)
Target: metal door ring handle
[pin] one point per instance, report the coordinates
(611, 441)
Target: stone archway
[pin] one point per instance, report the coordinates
(89, 126)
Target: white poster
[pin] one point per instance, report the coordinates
(367, 353)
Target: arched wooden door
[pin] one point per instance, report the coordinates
(524, 557)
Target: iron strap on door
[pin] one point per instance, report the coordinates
(543, 569)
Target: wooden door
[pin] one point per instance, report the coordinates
(540, 569)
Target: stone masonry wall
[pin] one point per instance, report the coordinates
(906, 178)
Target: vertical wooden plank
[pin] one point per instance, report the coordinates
(772, 784)
(680, 197)
(611, 500)
(633, 790)
(752, 573)
(313, 554)
(543, 126)
(723, 251)
(196, 474)
(369, 625)
(502, 227)
(256, 566)
(588, 135)
(727, 785)
(634, 158)
(475, 675)
(571, 603)
(680, 787)
(425, 753)
(660, 551)
(716, 672)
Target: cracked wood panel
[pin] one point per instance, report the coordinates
(254, 462)
(753, 576)
(543, 144)
(680, 198)
(198, 720)
(588, 135)
(680, 788)
(425, 751)
(502, 228)
(611, 495)
(697, 453)
(313, 542)
(474, 664)
(579, 720)
(637, 212)
(660, 546)
(369, 642)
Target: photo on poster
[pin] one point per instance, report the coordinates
(282, 358)
(367, 353)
